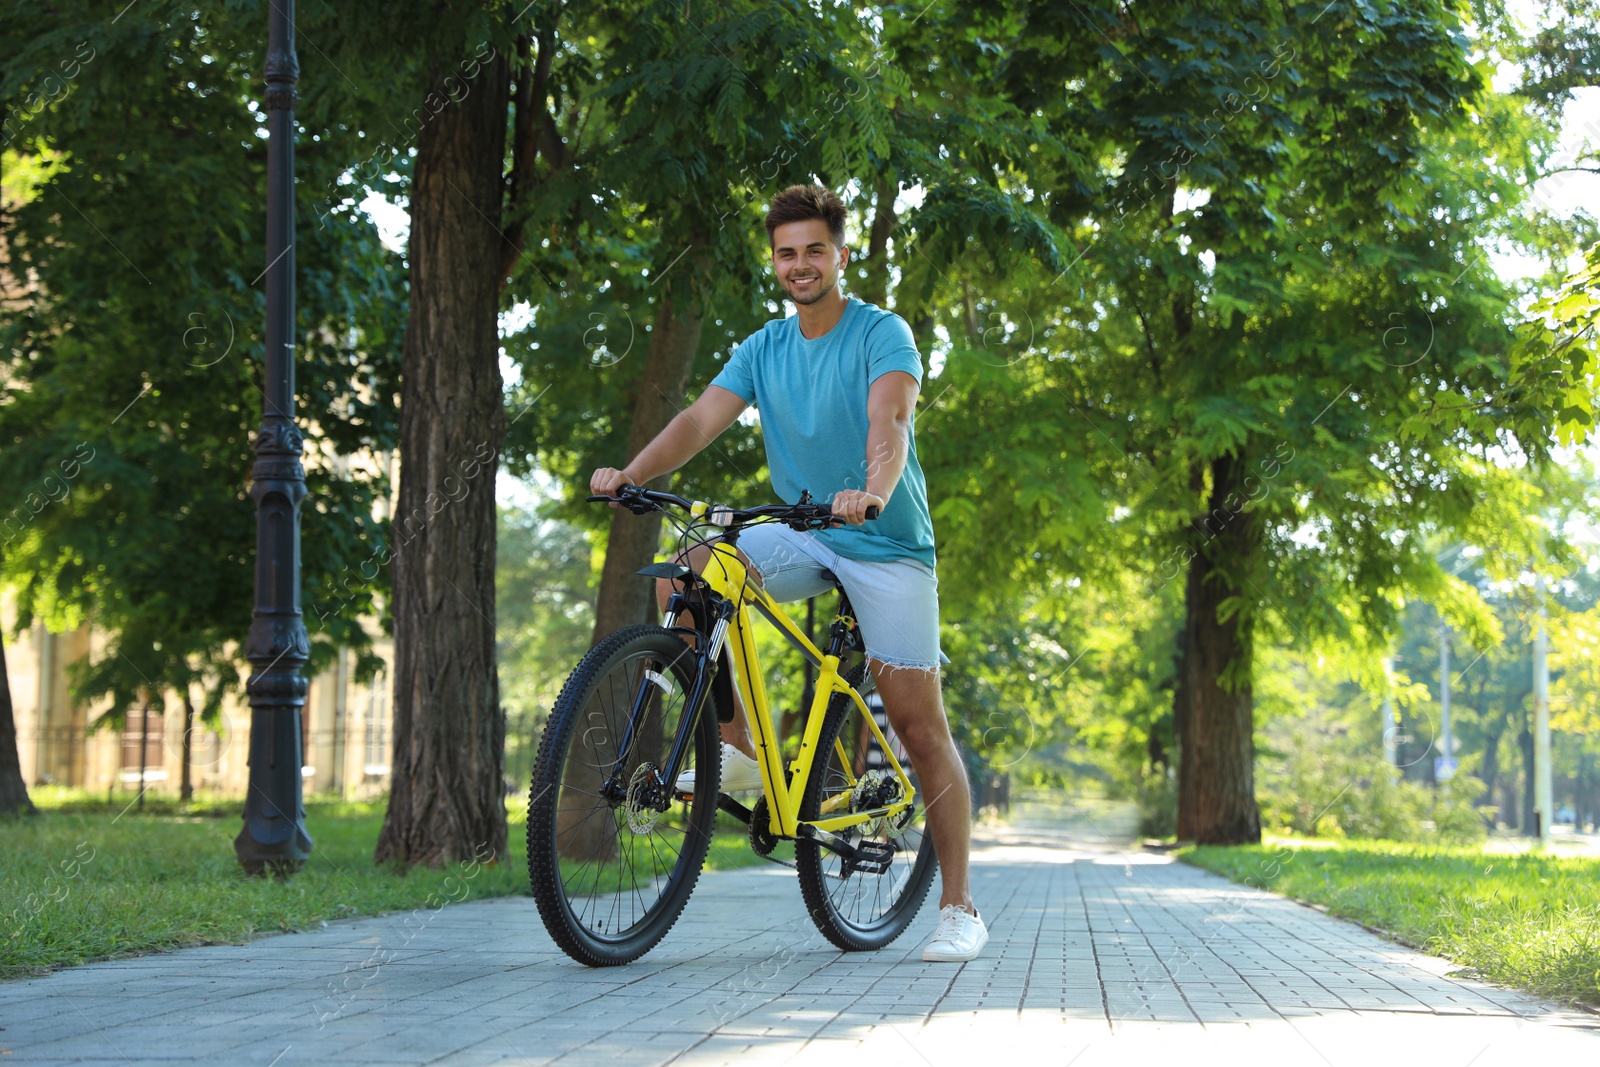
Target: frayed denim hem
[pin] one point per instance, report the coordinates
(927, 668)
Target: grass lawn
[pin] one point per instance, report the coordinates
(1529, 920)
(88, 880)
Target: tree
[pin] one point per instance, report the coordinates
(14, 798)
(130, 376)
(446, 800)
(1227, 177)
(1296, 465)
(685, 125)
(441, 89)
(13, 790)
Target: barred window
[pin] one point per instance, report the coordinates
(378, 728)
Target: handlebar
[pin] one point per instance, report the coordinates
(802, 516)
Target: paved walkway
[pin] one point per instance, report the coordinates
(1099, 956)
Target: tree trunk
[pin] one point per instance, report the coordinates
(14, 798)
(625, 598)
(1213, 702)
(186, 779)
(874, 287)
(1489, 773)
(1584, 809)
(1510, 810)
(144, 750)
(1580, 804)
(447, 798)
(13, 790)
(1155, 751)
(1525, 743)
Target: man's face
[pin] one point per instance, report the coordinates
(806, 260)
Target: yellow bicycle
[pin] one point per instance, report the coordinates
(615, 847)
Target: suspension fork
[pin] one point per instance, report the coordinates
(705, 657)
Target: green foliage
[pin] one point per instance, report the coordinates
(1182, 336)
(1158, 805)
(1325, 794)
(681, 129)
(133, 357)
(1555, 356)
(1319, 770)
(1149, 240)
(544, 615)
(544, 595)
(1275, 216)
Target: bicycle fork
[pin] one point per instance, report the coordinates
(705, 658)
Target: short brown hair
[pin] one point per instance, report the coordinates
(801, 202)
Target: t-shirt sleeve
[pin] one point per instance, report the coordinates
(891, 347)
(738, 374)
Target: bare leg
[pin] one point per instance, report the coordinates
(737, 732)
(916, 711)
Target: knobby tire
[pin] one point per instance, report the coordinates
(592, 920)
(860, 911)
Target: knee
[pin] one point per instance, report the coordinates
(924, 735)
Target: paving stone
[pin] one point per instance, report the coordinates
(1099, 953)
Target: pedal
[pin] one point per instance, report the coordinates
(871, 857)
(868, 857)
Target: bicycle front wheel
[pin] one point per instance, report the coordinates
(855, 909)
(614, 850)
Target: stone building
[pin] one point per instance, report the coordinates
(347, 728)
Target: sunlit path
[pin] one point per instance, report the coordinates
(1101, 953)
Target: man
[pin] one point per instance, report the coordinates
(836, 385)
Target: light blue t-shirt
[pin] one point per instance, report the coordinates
(812, 395)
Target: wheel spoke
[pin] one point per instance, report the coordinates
(859, 909)
(606, 869)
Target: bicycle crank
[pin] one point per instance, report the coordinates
(866, 857)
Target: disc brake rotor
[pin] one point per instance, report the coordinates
(876, 789)
(640, 809)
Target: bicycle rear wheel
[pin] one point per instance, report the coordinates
(858, 910)
(612, 865)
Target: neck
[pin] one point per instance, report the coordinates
(817, 319)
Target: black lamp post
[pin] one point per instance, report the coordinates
(274, 835)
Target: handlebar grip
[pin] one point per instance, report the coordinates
(872, 511)
(623, 491)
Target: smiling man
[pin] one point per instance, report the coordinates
(836, 385)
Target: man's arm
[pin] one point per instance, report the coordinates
(691, 430)
(890, 404)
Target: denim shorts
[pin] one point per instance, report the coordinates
(896, 601)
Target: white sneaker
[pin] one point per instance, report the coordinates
(960, 937)
(740, 773)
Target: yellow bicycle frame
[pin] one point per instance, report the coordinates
(727, 575)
